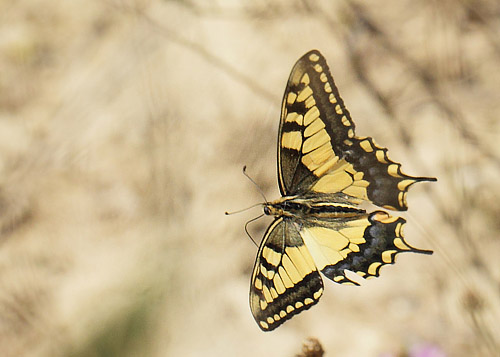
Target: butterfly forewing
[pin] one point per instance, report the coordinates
(318, 150)
(285, 280)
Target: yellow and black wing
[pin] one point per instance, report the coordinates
(361, 244)
(285, 280)
(318, 151)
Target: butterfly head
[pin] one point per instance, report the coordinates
(271, 210)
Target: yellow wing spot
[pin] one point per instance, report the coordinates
(338, 278)
(282, 313)
(310, 102)
(263, 270)
(277, 317)
(399, 229)
(361, 273)
(387, 256)
(294, 117)
(328, 88)
(323, 78)
(345, 121)
(314, 57)
(270, 320)
(393, 170)
(318, 293)
(400, 244)
(304, 94)
(263, 305)
(315, 141)
(350, 133)
(308, 301)
(402, 199)
(298, 305)
(348, 142)
(289, 308)
(305, 79)
(372, 269)
(338, 110)
(314, 127)
(366, 146)
(318, 68)
(278, 283)
(354, 247)
(381, 156)
(332, 98)
(258, 284)
(286, 279)
(358, 176)
(403, 185)
(267, 294)
(311, 115)
(290, 98)
(264, 325)
(292, 140)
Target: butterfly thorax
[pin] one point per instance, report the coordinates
(299, 206)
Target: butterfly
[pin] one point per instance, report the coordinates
(324, 172)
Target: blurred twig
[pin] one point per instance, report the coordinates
(210, 57)
(477, 12)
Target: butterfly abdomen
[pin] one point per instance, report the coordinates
(299, 207)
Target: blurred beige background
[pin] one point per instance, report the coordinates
(124, 126)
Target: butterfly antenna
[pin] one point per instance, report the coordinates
(243, 209)
(258, 187)
(246, 230)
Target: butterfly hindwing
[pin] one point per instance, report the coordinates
(361, 244)
(285, 280)
(318, 150)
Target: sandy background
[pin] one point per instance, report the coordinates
(124, 126)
